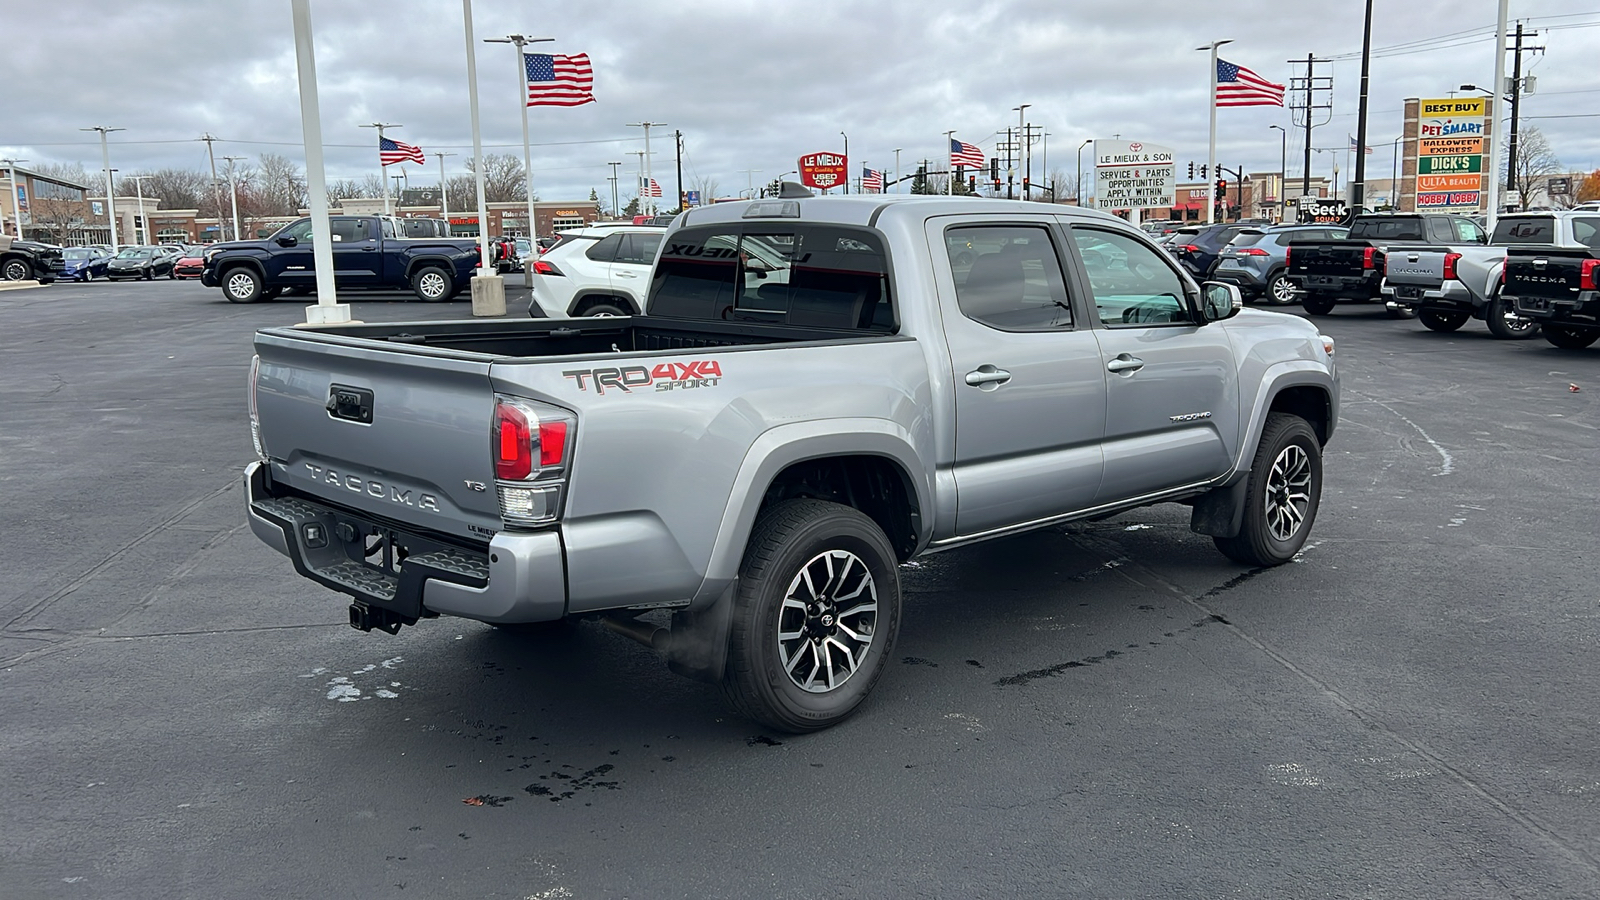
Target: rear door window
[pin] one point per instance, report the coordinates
(639, 249)
(606, 249)
(1587, 231)
(1009, 277)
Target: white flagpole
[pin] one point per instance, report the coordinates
(1211, 147)
(1496, 139)
(477, 142)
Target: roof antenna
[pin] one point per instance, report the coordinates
(791, 190)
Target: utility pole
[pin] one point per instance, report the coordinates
(1306, 107)
(1022, 135)
(616, 210)
(644, 164)
(16, 194)
(1358, 186)
(1516, 104)
(846, 162)
(381, 180)
(444, 193)
(233, 194)
(522, 100)
(678, 142)
(111, 194)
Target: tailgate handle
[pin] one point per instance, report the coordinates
(350, 403)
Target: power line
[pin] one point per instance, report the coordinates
(302, 143)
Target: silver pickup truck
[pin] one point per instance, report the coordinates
(759, 452)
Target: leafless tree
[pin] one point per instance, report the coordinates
(1535, 162)
(708, 188)
(503, 178)
(279, 186)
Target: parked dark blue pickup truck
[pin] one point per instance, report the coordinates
(367, 253)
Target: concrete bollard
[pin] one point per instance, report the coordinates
(488, 295)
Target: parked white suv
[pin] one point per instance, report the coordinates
(597, 271)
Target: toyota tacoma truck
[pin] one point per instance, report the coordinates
(368, 252)
(752, 458)
(1446, 286)
(1558, 288)
(28, 260)
(1352, 269)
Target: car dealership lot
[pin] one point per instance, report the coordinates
(1107, 710)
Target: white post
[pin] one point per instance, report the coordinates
(383, 177)
(950, 188)
(648, 173)
(1211, 145)
(444, 195)
(233, 195)
(488, 288)
(16, 194)
(1497, 142)
(138, 187)
(327, 311)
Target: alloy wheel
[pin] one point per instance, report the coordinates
(828, 619)
(240, 286)
(1288, 494)
(432, 285)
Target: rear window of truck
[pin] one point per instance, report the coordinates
(779, 273)
(1389, 229)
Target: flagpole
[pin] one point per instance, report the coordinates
(477, 142)
(1211, 145)
(949, 154)
(383, 176)
(522, 91)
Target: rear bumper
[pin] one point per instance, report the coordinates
(1355, 287)
(1582, 308)
(519, 578)
(1451, 296)
(1245, 279)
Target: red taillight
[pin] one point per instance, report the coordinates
(1450, 260)
(1288, 257)
(552, 443)
(543, 268)
(1190, 248)
(1587, 277)
(1368, 260)
(513, 443)
(1251, 251)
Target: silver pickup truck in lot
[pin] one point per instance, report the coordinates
(1447, 285)
(759, 452)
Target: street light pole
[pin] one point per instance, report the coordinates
(111, 200)
(1394, 172)
(1079, 189)
(615, 209)
(328, 310)
(522, 94)
(647, 204)
(233, 194)
(16, 194)
(382, 180)
(444, 193)
(1021, 151)
(1283, 166)
(142, 223)
(1211, 146)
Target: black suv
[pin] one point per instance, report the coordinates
(24, 260)
(1198, 252)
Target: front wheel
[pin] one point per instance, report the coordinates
(241, 285)
(1505, 324)
(1437, 320)
(1571, 337)
(17, 270)
(815, 618)
(1317, 304)
(1281, 498)
(432, 284)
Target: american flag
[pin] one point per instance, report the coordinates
(965, 154)
(1238, 86)
(654, 189)
(1353, 144)
(871, 181)
(559, 80)
(391, 152)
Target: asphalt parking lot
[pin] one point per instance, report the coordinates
(1106, 710)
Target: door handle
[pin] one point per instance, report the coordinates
(627, 275)
(987, 377)
(1125, 363)
(370, 249)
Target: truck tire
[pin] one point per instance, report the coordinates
(17, 270)
(815, 617)
(432, 284)
(1437, 320)
(1571, 337)
(607, 309)
(241, 284)
(1281, 498)
(1318, 304)
(1505, 324)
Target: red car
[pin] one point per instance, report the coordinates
(189, 264)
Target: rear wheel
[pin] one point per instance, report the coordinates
(432, 284)
(241, 285)
(1505, 324)
(1317, 304)
(815, 618)
(1436, 320)
(606, 309)
(1280, 290)
(1571, 337)
(1282, 496)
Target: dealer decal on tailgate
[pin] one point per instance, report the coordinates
(665, 377)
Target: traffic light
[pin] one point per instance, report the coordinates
(1222, 188)
(1203, 167)
(1191, 171)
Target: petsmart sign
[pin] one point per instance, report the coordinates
(1450, 133)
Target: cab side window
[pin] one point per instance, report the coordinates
(1009, 277)
(300, 231)
(1133, 286)
(1468, 232)
(345, 230)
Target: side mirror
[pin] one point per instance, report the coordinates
(1219, 301)
(287, 241)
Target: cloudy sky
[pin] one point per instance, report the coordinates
(752, 85)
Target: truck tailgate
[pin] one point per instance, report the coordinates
(1552, 274)
(1328, 258)
(1416, 266)
(401, 433)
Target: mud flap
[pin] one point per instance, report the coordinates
(698, 647)
(1219, 512)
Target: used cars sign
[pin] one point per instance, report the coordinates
(823, 170)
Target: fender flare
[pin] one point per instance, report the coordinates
(1279, 376)
(778, 448)
(250, 262)
(585, 293)
(442, 262)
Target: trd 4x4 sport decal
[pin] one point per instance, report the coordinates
(665, 377)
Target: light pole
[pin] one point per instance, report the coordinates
(1022, 136)
(615, 209)
(328, 310)
(384, 181)
(138, 188)
(16, 194)
(111, 200)
(846, 162)
(1079, 189)
(951, 187)
(1283, 165)
(1394, 172)
(1211, 147)
(750, 181)
(444, 193)
(522, 94)
(897, 169)
(644, 168)
(486, 267)
(233, 194)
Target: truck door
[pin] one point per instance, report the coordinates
(1025, 368)
(1172, 393)
(357, 261)
(292, 266)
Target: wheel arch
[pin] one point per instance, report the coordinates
(1299, 387)
(227, 265)
(587, 297)
(422, 262)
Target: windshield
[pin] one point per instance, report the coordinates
(135, 253)
(77, 253)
